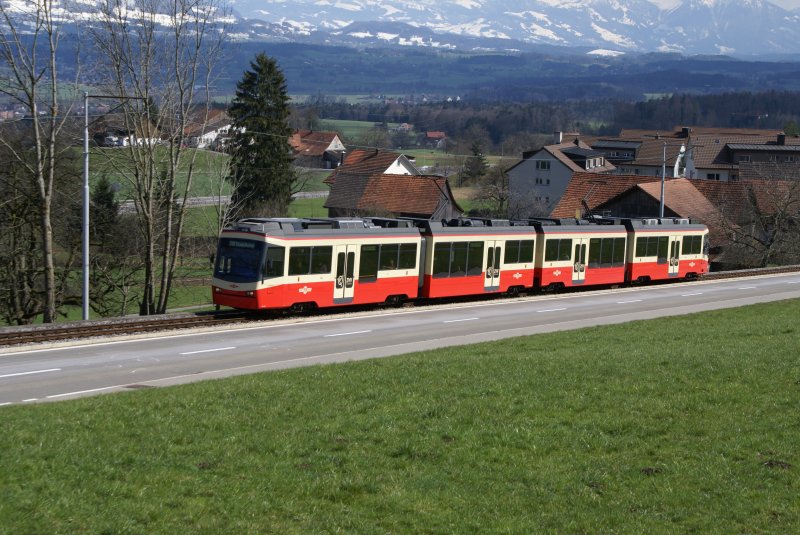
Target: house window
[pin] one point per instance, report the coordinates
(773, 158)
(548, 182)
(712, 176)
(744, 159)
(788, 159)
(542, 164)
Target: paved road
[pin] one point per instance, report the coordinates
(80, 369)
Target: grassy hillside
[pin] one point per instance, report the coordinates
(678, 425)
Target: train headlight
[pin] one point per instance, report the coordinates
(250, 294)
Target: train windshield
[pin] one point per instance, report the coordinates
(239, 260)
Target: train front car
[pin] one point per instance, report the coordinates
(579, 253)
(477, 256)
(315, 263)
(666, 248)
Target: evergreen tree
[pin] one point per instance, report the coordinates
(261, 163)
(475, 166)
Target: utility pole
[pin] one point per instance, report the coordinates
(85, 251)
(663, 176)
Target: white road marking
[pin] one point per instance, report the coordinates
(29, 400)
(464, 319)
(83, 392)
(747, 288)
(207, 350)
(4, 404)
(793, 282)
(630, 301)
(30, 373)
(552, 310)
(346, 334)
(690, 295)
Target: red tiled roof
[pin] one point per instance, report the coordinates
(595, 189)
(682, 198)
(399, 194)
(364, 162)
(311, 143)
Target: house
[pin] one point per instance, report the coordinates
(435, 140)
(317, 150)
(719, 156)
(541, 177)
(643, 155)
(112, 131)
(696, 152)
(378, 182)
(747, 219)
(207, 128)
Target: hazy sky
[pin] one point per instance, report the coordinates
(786, 4)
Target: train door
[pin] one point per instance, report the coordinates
(579, 259)
(345, 265)
(674, 255)
(493, 256)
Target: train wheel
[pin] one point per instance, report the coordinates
(303, 308)
(395, 300)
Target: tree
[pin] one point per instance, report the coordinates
(159, 61)
(475, 166)
(493, 192)
(261, 163)
(28, 47)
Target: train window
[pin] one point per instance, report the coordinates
(692, 244)
(641, 246)
(441, 260)
(368, 267)
(518, 251)
(321, 259)
(608, 252)
(565, 250)
(619, 252)
(526, 251)
(458, 262)
(652, 246)
(512, 252)
(558, 250)
(388, 256)
(273, 266)
(595, 244)
(305, 260)
(299, 260)
(239, 260)
(408, 256)
(475, 258)
(663, 246)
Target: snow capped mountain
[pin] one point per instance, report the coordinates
(606, 27)
(738, 27)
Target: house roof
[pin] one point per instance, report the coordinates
(399, 194)
(561, 153)
(682, 198)
(311, 143)
(435, 135)
(366, 162)
(709, 151)
(594, 189)
(202, 121)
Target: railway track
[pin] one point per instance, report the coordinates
(18, 336)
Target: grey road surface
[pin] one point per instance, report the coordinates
(64, 371)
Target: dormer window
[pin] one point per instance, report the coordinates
(544, 165)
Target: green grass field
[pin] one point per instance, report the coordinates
(678, 425)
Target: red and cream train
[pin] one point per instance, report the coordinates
(318, 263)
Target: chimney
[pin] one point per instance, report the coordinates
(782, 139)
(685, 131)
(558, 137)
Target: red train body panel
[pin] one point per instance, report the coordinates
(302, 263)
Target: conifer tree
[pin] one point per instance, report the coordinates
(261, 161)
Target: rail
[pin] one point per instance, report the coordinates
(31, 334)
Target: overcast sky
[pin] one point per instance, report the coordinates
(786, 4)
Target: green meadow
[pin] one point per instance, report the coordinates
(677, 425)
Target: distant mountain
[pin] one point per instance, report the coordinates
(733, 27)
